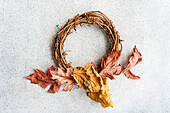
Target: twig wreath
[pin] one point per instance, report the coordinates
(93, 78)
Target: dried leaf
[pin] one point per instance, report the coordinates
(94, 65)
(39, 77)
(88, 75)
(95, 85)
(117, 70)
(54, 88)
(103, 96)
(111, 60)
(61, 77)
(107, 74)
(133, 61)
(129, 74)
(51, 68)
(108, 64)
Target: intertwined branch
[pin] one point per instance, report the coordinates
(95, 18)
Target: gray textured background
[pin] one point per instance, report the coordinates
(26, 28)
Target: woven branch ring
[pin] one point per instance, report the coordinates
(95, 18)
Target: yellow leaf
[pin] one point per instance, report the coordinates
(95, 85)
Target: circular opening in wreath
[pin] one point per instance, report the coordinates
(87, 44)
(95, 18)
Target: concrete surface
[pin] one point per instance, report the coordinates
(26, 28)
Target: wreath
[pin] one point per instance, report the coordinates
(93, 78)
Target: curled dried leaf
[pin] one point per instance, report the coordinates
(95, 85)
(108, 64)
(103, 96)
(88, 75)
(129, 74)
(133, 61)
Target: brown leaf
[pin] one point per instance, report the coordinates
(133, 61)
(61, 77)
(108, 64)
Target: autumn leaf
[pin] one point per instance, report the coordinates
(88, 78)
(129, 74)
(39, 77)
(117, 70)
(133, 61)
(95, 85)
(108, 64)
(103, 96)
(54, 88)
(51, 68)
(62, 77)
(94, 65)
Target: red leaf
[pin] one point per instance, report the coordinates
(107, 74)
(108, 64)
(39, 77)
(54, 88)
(117, 70)
(133, 61)
(68, 86)
(40, 74)
(33, 78)
(103, 61)
(111, 60)
(129, 74)
(61, 77)
(51, 68)
(43, 84)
